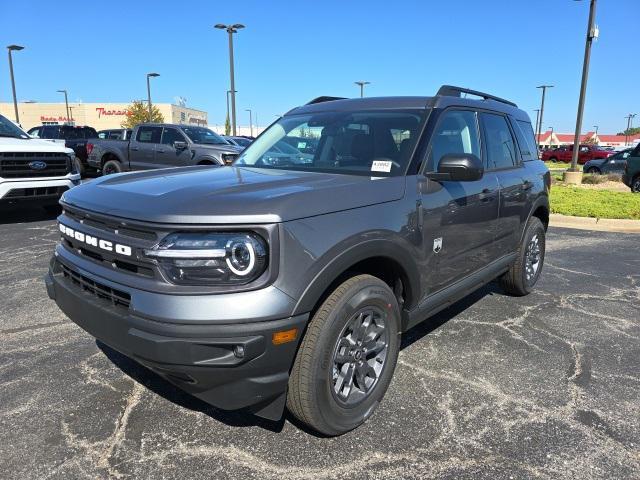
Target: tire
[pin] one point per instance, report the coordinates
(635, 184)
(320, 394)
(519, 280)
(594, 171)
(80, 167)
(111, 166)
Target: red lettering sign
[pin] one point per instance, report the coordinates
(102, 111)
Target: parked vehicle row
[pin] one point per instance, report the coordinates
(33, 170)
(71, 136)
(614, 164)
(159, 146)
(565, 154)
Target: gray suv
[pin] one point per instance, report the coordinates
(288, 280)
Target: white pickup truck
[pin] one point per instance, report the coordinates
(33, 170)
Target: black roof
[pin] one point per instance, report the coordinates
(446, 98)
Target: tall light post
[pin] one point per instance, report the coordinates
(551, 138)
(629, 118)
(362, 83)
(149, 75)
(250, 120)
(544, 92)
(66, 104)
(227, 121)
(574, 175)
(537, 110)
(231, 29)
(71, 115)
(14, 48)
(595, 135)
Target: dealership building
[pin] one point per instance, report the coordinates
(100, 116)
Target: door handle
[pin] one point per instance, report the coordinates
(160, 151)
(135, 149)
(487, 195)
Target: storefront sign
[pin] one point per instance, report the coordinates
(102, 111)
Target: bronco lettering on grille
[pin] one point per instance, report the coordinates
(95, 242)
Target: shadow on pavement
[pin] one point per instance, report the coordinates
(26, 214)
(162, 387)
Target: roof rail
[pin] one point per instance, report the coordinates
(324, 99)
(451, 91)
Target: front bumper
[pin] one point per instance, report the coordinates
(199, 357)
(47, 190)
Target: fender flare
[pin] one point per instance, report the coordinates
(541, 201)
(115, 154)
(350, 257)
(207, 158)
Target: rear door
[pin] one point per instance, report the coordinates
(459, 217)
(504, 161)
(142, 148)
(167, 155)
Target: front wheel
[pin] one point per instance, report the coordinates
(111, 166)
(347, 357)
(635, 184)
(525, 271)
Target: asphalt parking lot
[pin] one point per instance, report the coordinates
(546, 386)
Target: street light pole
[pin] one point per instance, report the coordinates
(591, 34)
(71, 115)
(629, 124)
(66, 104)
(595, 136)
(537, 110)
(250, 120)
(231, 29)
(12, 48)
(149, 75)
(551, 138)
(362, 84)
(544, 92)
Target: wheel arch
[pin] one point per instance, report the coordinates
(382, 259)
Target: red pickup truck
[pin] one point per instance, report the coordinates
(587, 152)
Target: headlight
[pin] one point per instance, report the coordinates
(233, 258)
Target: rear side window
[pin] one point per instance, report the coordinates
(501, 149)
(149, 134)
(526, 140)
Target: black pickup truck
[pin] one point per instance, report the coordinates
(73, 137)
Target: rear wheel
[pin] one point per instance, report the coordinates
(635, 184)
(523, 274)
(347, 357)
(111, 166)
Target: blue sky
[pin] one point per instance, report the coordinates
(291, 52)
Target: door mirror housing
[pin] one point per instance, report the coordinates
(179, 145)
(458, 167)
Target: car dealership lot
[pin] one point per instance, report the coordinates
(544, 386)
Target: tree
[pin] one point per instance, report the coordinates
(227, 126)
(631, 131)
(138, 112)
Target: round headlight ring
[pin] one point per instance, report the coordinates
(236, 258)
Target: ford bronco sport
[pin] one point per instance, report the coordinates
(288, 280)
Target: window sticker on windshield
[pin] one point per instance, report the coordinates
(381, 166)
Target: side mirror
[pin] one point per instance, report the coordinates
(179, 145)
(458, 167)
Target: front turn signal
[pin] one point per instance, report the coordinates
(284, 336)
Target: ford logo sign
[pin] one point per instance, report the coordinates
(37, 165)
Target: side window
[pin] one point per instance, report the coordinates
(170, 135)
(35, 132)
(149, 134)
(103, 135)
(501, 149)
(49, 133)
(456, 132)
(526, 140)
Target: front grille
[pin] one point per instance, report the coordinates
(117, 298)
(38, 192)
(116, 263)
(113, 227)
(17, 164)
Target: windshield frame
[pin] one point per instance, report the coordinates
(423, 112)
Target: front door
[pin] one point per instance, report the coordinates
(142, 148)
(459, 218)
(167, 155)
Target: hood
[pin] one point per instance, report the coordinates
(225, 148)
(8, 144)
(230, 195)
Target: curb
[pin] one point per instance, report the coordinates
(597, 224)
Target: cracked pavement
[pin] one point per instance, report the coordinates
(544, 386)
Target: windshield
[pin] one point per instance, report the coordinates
(204, 136)
(356, 143)
(9, 129)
